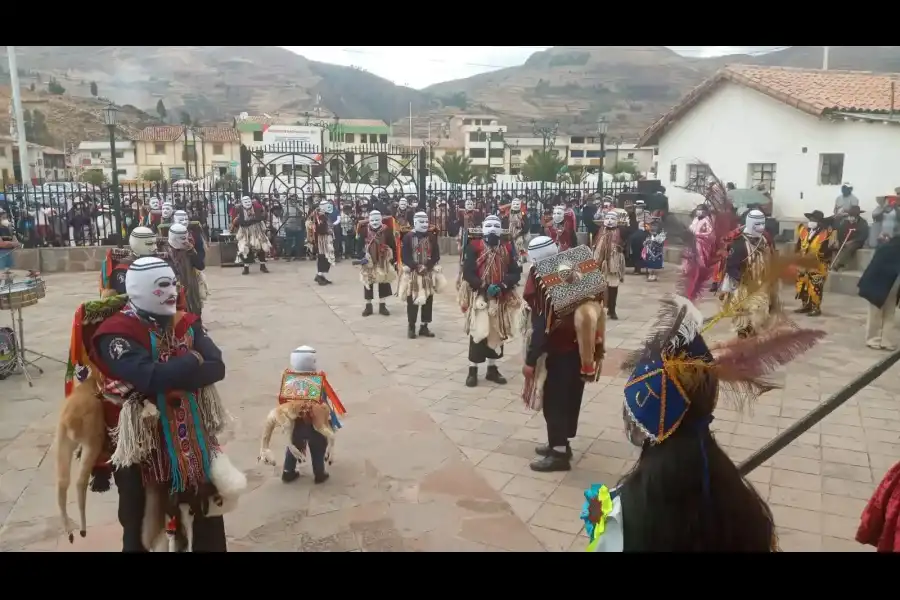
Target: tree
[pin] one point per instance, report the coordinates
(543, 166)
(94, 177)
(624, 166)
(54, 87)
(36, 128)
(360, 174)
(161, 109)
(185, 118)
(574, 174)
(94, 89)
(454, 168)
(153, 175)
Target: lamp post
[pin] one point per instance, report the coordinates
(547, 134)
(430, 144)
(602, 129)
(110, 117)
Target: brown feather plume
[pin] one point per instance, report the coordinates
(668, 322)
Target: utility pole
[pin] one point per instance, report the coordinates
(20, 119)
(825, 57)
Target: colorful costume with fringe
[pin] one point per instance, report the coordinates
(311, 387)
(821, 243)
(379, 256)
(754, 298)
(566, 233)
(880, 523)
(420, 275)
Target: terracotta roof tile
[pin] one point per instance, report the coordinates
(170, 133)
(219, 134)
(813, 91)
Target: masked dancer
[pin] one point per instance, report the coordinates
(320, 239)
(561, 228)
(610, 254)
(166, 213)
(638, 235)
(817, 238)
(252, 237)
(487, 296)
(675, 383)
(469, 218)
(702, 228)
(421, 276)
(187, 264)
(141, 242)
(745, 271)
(376, 265)
(564, 293)
(514, 221)
(156, 371)
(653, 253)
(152, 214)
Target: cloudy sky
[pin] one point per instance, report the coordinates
(421, 66)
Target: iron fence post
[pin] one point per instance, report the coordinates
(117, 201)
(422, 178)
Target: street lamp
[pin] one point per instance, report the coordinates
(110, 118)
(547, 134)
(430, 144)
(602, 129)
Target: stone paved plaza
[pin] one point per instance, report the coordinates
(426, 464)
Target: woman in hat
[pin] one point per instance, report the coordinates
(817, 237)
(684, 494)
(852, 234)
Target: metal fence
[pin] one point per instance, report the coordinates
(80, 214)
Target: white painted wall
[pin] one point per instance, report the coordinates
(736, 126)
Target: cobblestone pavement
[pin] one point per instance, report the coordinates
(426, 464)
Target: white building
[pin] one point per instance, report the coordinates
(96, 156)
(800, 133)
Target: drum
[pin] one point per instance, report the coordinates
(8, 350)
(21, 294)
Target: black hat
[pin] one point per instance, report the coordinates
(816, 215)
(854, 211)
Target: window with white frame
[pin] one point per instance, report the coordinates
(761, 174)
(697, 176)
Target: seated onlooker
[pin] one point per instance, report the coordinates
(853, 232)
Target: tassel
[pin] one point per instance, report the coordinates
(213, 414)
(135, 436)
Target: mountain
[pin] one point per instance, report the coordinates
(630, 85)
(213, 83)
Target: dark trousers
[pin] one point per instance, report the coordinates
(338, 235)
(322, 264)
(635, 248)
(384, 290)
(612, 294)
(303, 435)
(412, 310)
(480, 352)
(563, 392)
(209, 532)
(349, 245)
(248, 259)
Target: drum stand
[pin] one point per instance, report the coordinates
(18, 327)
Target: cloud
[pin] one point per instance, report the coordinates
(421, 66)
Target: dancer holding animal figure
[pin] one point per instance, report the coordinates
(513, 219)
(252, 238)
(376, 263)
(562, 228)
(309, 405)
(421, 276)
(320, 239)
(491, 272)
(148, 372)
(609, 252)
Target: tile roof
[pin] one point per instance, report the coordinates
(813, 91)
(170, 133)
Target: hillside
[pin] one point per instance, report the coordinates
(631, 85)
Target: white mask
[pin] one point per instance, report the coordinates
(375, 219)
(610, 220)
(151, 286)
(755, 224)
(179, 216)
(402, 205)
(491, 225)
(154, 204)
(303, 359)
(607, 206)
(142, 241)
(4, 222)
(470, 205)
(326, 207)
(246, 202)
(540, 248)
(420, 222)
(167, 210)
(178, 236)
(812, 225)
(558, 214)
(516, 206)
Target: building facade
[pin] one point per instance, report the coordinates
(97, 156)
(180, 152)
(797, 133)
(45, 164)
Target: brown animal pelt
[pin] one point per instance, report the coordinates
(80, 424)
(317, 413)
(590, 331)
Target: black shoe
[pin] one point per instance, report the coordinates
(814, 313)
(411, 333)
(367, 311)
(322, 281)
(322, 478)
(326, 281)
(472, 378)
(424, 331)
(612, 315)
(289, 476)
(246, 271)
(318, 279)
(383, 311)
(553, 462)
(263, 268)
(493, 374)
(803, 310)
(546, 450)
